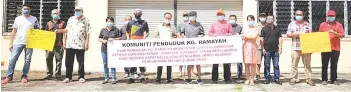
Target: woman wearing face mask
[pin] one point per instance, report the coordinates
(250, 50)
(109, 33)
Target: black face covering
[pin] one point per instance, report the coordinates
(137, 16)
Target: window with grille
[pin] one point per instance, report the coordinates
(283, 15)
(318, 14)
(349, 17)
(41, 10)
(265, 7)
(338, 6)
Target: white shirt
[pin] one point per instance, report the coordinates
(22, 24)
(166, 32)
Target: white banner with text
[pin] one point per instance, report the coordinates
(189, 51)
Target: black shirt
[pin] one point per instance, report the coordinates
(105, 34)
(271, 38)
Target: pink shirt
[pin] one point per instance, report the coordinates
(220, 29)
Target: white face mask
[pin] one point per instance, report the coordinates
(220, 17)
(186, 19)
(250, 23)
(126, 22)
(167, 21)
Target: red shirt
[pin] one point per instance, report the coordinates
(337, 27)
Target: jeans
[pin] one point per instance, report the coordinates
(226, 75)
(70, 54)
(126, 70)
(58, 53)
(267, 65)
(106, 72)
(333, 58)
(240, 69)
(16, 52)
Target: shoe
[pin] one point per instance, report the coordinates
(214, 82)
(57, 78)
(24, 80)
(142, 80)
(170, 82)
(67, 80)
(158, 81)
(311, 83)
(335, 83)
(188, 81)
(199, 81)
(252, 82)
(228, 81)
(49, 77)
(292, 82)
(258, 77)
(7, 80)
(278, 82)
(131, 81)
(324, 83)
(126, 76)
(266, 82)
(247, 82)
(114, 82)
(105, 81)
(135, 76)
(81, 80)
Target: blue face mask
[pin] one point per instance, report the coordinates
(250, 23)
(55, 16)
(331, 19)
(26, 12)
(109, 24)
(78, 13)
(298, 18)
(262, 19)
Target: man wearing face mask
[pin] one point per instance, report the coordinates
(336, 32)
(19, 33)
(77, 42)
(236, 30)
(193, 29)
(166, 31)
(52, 25)
(271, 37)
(137, 29)
(261, 24)
(125, 36)
(221, 27)
(295, 28)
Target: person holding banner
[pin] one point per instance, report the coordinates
(271, 37)
(295, 28)
(237, 29)
(127, 19)
(179, 30)
(261, 24)
(336, 32)
(52, 25)
(137, 29)
(193, 29)
(19, 33)
(77, 42)
(166, 31)
(250, 50)
(221, 27)
(109, 33)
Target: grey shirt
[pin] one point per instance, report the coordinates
(124, 32)
(237, 29)
(193, 30)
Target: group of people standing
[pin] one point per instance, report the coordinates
(262, 39)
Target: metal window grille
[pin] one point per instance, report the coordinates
(318, 14)
(283, 17)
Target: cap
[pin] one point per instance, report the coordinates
(262, 15)
(331, 13)
(192, 13)
(137, 11)
(220, 12)
(185, 14)
(78, 7)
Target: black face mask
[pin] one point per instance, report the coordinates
(137, 16)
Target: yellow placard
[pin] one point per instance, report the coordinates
(315, 42)
(40, 39)
(134, 29)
